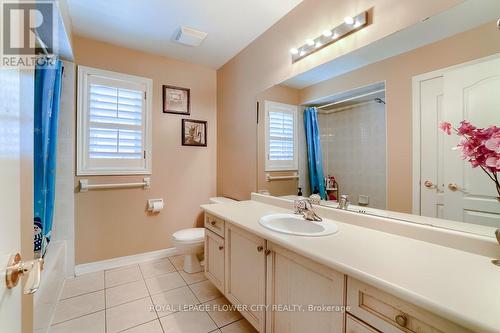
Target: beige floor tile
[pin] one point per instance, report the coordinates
(173, 300)
(178, 262)
(83, 284)
(188, 322)
(241, 326)
(191, 278)
(121, 276)
(151, 327)
(164, 282)
(129, 315)
(157, 267)
(205, 291)
(78, 306)
(94, 323)
(125, 293)
(221, 312)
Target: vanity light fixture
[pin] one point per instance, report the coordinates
(349, 20)
(327, 33)
(330, 36)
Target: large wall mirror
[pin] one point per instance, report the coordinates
(403, 129)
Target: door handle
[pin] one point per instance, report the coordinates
(17, 268)
(454, 187)
(429, 184)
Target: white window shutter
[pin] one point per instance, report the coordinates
(114, 123)
(281, 137)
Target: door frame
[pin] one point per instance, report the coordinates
(416, 123)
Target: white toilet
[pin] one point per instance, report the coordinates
(190, 242)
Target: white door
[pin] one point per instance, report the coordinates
(472, 93)
(432, 183)
(10, 191)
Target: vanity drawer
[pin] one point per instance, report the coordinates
(215, 224)
(354, 325)
(393, 315)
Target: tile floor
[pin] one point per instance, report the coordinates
(144, 298)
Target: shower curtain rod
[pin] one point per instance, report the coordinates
(350, 98)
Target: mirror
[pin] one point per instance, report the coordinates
(410, 133)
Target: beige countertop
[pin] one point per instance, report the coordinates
(461, 286)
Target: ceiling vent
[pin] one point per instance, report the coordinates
(190, 37)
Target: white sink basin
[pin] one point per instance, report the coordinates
(296, 225)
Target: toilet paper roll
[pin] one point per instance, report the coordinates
(157, 206)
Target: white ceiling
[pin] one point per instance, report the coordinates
(150, 25)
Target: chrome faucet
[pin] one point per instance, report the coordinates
(304, 207)
(343, 202)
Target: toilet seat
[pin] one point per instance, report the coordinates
(190, 235)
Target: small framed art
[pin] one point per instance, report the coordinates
(176, 100)
(194, 133)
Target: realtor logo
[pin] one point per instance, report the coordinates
(23, 23)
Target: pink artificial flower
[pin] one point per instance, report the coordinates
(493, 162)
(465, 128)
(493, 144)
(445, 127)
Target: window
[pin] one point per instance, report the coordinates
(114, 123)
(281, 136)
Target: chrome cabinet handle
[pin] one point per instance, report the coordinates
(260, 248)
(17, 268)
(401, 320)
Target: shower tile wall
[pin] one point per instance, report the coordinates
(354, 151)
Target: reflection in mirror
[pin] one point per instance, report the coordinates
(390, 135)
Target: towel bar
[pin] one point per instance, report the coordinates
(270, 178)
(85, 186)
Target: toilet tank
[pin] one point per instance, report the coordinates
(216, 200)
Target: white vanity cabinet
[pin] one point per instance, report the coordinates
(295, 283)
(245, 278)
(274, 287)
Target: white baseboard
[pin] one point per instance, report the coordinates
(123, 261)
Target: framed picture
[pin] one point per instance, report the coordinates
(176, 100)
(194, 133)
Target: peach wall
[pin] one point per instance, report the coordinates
(266, 62)
(114, 223)
(397, 73)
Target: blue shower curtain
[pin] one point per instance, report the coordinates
(47, 102)
(314, 153)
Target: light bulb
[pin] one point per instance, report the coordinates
(310, 42)
(318, 45)
(302, 53)
(294, 51)
(349, 20)
(335, 35)
(327, 33)
(357, 24)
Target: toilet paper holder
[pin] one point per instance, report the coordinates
(155, 205)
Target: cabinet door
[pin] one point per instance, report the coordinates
(245, 273)
(214, 259)
(298, 283)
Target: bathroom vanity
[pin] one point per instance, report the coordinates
(367, 277)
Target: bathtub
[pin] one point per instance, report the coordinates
(53, 274)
